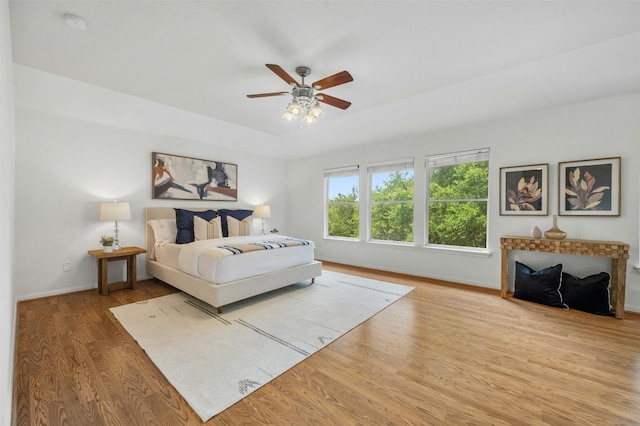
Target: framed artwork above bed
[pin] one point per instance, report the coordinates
(184, 178)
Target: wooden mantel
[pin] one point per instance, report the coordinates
(617, 251)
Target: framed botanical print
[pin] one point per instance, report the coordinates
(589, 187)
(185, 178)
(524, 190)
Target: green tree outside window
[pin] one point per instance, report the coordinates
(392, 206)
(458, 204)
(343, 206)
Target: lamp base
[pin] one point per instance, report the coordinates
(116, 240)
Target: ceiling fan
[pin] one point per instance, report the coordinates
(305, 98)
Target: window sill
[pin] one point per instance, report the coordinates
(466, 251)
(455, 250)
(352, 240)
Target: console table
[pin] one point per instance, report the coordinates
(617, 251)
(126, 253)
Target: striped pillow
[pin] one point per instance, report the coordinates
(207, 230)
(239, 228)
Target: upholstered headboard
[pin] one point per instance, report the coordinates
(151, 213)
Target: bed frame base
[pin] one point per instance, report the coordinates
(219, 295)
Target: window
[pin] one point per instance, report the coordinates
(342, 208)
(457, 193)
(391, 201)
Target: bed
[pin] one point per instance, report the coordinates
(235, 277)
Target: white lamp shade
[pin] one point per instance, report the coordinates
(262, 211)
(115, 211)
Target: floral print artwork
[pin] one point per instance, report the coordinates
(582, 192)
(525, 195)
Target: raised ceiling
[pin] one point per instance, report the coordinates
(418, 66)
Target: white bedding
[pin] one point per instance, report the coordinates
(193, 258)
(167, 254)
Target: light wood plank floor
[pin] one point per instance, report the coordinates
(443, 355)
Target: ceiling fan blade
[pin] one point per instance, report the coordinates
(333, 80)
(282, 74)
(264, 95)
(338, 103)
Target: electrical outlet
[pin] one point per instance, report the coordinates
(66, 266)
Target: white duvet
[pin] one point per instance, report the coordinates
(196, 258)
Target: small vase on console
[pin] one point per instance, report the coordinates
(555, 233)
(536, 232)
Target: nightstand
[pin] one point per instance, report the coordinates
(126, 253)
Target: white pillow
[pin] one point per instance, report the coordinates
(204, 230)
(239, 228)
(164, 230)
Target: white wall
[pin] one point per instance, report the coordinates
(69, 162)
(7, 298)
(66, 166)
(597, 129)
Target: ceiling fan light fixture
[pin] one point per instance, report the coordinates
(289, 116)
(294, 108)
(316, 110)
(309, 119)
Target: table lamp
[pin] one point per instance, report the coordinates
(261, 212)
(115, 211)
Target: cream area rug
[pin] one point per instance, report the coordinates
(214, 360)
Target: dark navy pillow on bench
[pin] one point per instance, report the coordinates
(541, 286)
(588, 294)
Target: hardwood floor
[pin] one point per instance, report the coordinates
(444, 354)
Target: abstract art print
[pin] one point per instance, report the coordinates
(524, 190)
(589, 187)
(185, 178)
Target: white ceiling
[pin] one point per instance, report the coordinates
(418, 66)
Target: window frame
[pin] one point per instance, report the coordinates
(453, 159)
(334, 173)
(389, 167)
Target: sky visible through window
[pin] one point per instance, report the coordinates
(343, 185)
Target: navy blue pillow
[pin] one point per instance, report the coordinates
(588, 294)
(238, 214)
(184, 222)
(541, 286)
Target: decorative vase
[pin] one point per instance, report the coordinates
(555, 233)
(536, 232)
(107, 249)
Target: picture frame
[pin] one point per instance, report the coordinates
(185, 178)
(589, 187)
(524, 190)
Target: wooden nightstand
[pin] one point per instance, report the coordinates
(126, 253)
